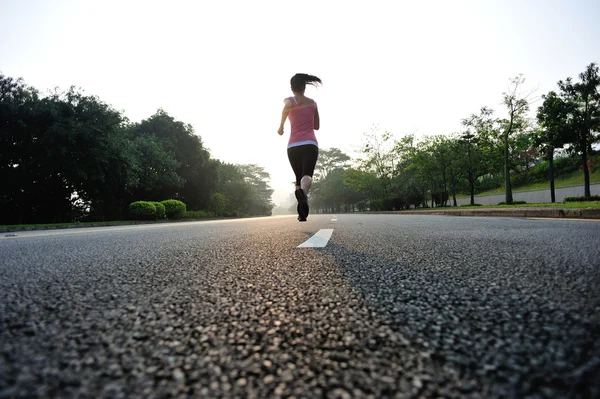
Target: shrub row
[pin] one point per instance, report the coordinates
(147, 210)
(198, 215)
(513, 203)
(582, 199)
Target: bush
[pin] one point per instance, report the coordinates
(142, 210)
(513, 203)
(198, 215)
(376, 205)
(174, 209)
(160, 210)
(582, 199)
(488, 182)
(218, 203)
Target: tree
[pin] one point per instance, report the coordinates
(552, 116)
(97, 159)
(517, 104)
(468, 142)
(584, 98)
(454, 168)
(441, 150)
(330, 159)
(155, 168)
(478, 145)
(363, 182)
(378, 149)
(58, 153)
(195, 166)
(259, 200)
(410, 179)
(328, 190)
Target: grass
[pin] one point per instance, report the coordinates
(49, 226)
(565, 205)
(572, 179)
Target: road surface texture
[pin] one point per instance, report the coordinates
(392, 306)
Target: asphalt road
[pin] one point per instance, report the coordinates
(392, 306)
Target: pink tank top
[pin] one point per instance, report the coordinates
(302, 120)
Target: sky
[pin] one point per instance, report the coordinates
(407, 67)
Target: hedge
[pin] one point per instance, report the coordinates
(513, 203)
(198, 215)
(174, 209)
(582, 199)
(142, 210)
(160, 210)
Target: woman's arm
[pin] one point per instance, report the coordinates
(317, 119)
(284, 114)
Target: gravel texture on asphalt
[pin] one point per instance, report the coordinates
(394, 306)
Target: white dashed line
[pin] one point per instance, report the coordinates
(319, 240)
(334, 220)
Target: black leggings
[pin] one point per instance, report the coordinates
(303, 160)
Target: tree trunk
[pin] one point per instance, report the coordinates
(586, 171)
(472, 188)
(444, 201)
(471, 179)
(453, 187)
(551, 172)
(508, 188)
(432, 194)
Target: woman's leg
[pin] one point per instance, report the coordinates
(309, 161)
(295, 158)
(305, 183)
(310, 154)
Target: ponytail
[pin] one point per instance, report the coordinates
(300, 80)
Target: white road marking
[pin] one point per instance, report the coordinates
(319, 240)
(334, 220)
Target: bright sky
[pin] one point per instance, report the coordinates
(224, 66)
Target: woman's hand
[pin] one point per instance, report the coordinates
(280, 131)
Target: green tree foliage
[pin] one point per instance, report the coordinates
(259, 198)
(328, 190)
(246, 189)
(488, 152)
(195, 169)
(480, 148)
(583, 98)
(218, 203)
(66, 148)
(329, 160)
(155, 168)
(517, 104)
(69, 156)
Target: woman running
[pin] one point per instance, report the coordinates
(303, 149)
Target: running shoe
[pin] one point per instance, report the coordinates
(302, 205)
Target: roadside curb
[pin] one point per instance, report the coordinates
(103, 224)
(576, 213)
